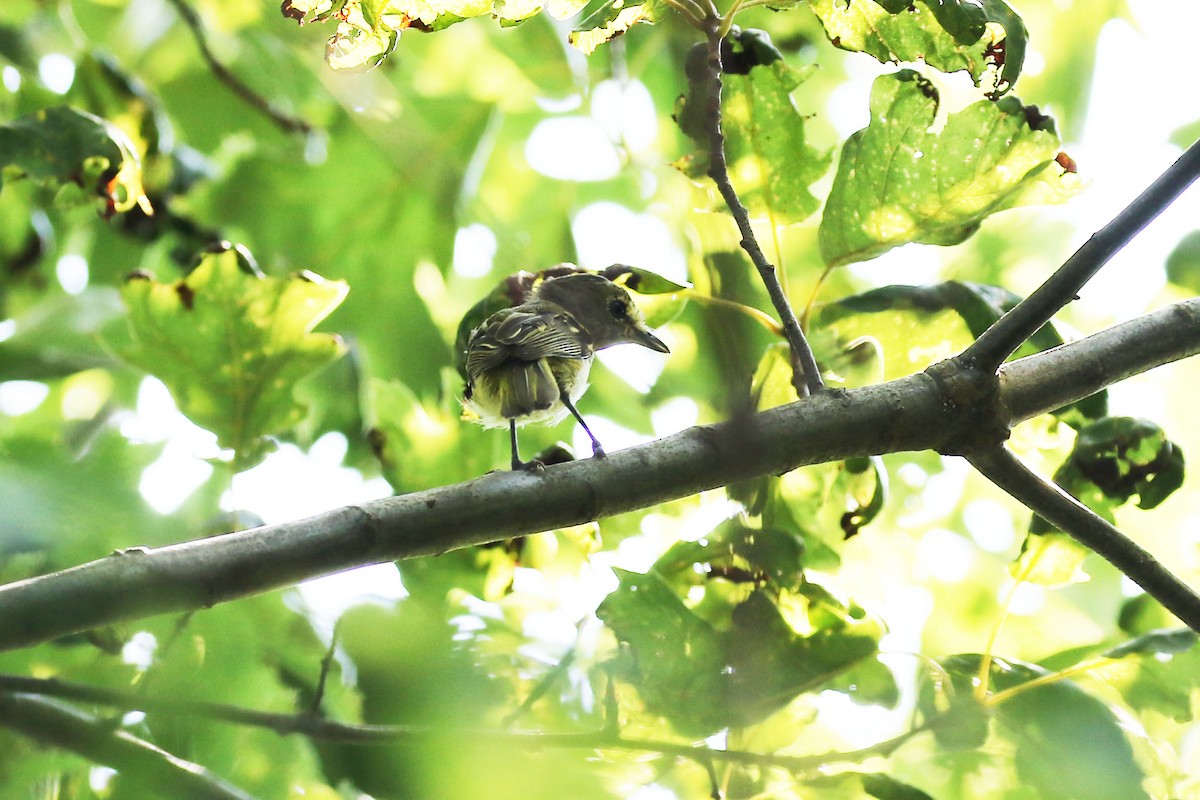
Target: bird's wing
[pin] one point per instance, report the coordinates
(526, 333)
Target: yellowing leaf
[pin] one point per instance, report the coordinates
(231, 345)
(612, 20)
(907, 178)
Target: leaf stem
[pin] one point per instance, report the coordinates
(803, 359)
(1045, 680)
(761, 317)
(983, 677)
(1002, 468)
(1003, 338)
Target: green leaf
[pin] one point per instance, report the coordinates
(368, 31)
(62, 146)
(230, 344)
(1116, 458)
(612, 19)
(1065, 744)
(420, 443)
(1050, 559)
(822, 504)
(1165, 675)
(885, 787)
(737, 553)
(911, 176)
(770, 162)
(59, 336)
(1167, 641)
(642, 281)
(704, 676)
(1183, 265)
(987, 39)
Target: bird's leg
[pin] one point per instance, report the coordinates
(597, 450)
(517, 463)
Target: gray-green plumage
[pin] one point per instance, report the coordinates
(530, 363)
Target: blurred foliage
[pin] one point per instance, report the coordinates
(440, 169)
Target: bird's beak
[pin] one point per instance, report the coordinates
(645, 338)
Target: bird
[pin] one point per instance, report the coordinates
(530, 362)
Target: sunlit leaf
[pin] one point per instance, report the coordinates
(912, 176)
(983, 37)
(63, 145)
(368, 31)
(230, 345)
(704, 677)
(770, 162)
(1050, 559)
(612, 19)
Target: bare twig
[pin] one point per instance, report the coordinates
(1066, 513)
(60, 725)
(1003, 338)
(718, 169)
(319, 729)
(284, 121)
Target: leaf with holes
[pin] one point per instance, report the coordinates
(909, 176)
(986, 38)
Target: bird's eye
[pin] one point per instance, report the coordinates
(619, 309)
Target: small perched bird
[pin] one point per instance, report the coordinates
(530, 363)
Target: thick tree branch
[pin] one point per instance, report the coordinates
(912, 413)
(59, 725)
(1066, 513)
(1002, 339)
(718, 170)
(1100, 360)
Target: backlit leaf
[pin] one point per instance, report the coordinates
(984, 37)
(230, 345)
(768, 157)
(910, 177)
(613, 19)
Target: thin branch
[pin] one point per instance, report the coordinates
(59, 725)
(319, 729)
(1003, 338)
(1066, 513)
(903, 415)
(718, 170)
(284, 121)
